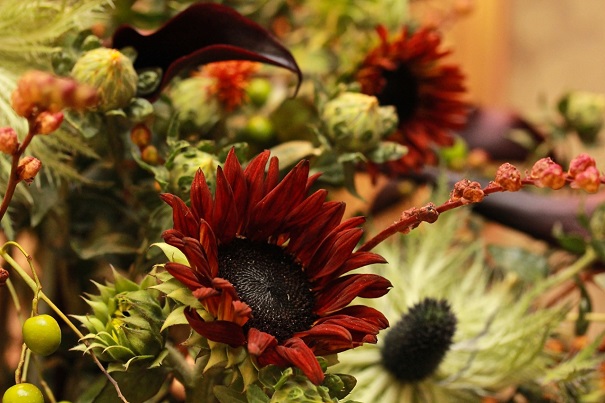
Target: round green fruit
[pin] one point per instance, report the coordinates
(23, 393)
(259, 129)
(258, 91)
(42, 334)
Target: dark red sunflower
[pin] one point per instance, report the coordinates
(428, 95)
(268, 263)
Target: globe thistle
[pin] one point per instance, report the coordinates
(442, 288)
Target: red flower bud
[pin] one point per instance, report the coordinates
(509, 177)
(9, 142)
(547, 173)
(28, 168)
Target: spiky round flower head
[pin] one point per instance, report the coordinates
(356, 122)
(405, 72)
(111, 73)
(499, 338)
(194, 103)
(229, 80)
(584, 112)
(269, 265)
(126, 322)
(417, 343)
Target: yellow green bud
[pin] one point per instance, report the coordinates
(584, 112)
(111, 73)
(357, 122)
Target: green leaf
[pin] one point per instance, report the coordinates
(176, 317)
(172, 253)
(108, 244)
(528, 266)
(228, 395)
(292, 152)
(255, 394)
(184, 296)
(387, 151)
(138, 385)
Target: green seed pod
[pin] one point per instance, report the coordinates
(111, 73)
(356, 122)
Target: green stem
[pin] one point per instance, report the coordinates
(183, 371)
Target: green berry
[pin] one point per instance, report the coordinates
(42, 334)
(259, 129)
(23, 393)
(258, 91)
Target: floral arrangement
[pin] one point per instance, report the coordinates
(173, 183)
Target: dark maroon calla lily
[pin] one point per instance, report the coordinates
(203, 33)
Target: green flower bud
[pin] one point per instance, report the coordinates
(194, 104)
(126, 323)
(356, 122)
(111, 73)
(184, 166)
(584, 112)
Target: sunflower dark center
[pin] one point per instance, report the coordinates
(402, 91)
(271, 283)
(415, 346)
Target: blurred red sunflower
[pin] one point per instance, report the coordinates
(428, 96)
(267, 262)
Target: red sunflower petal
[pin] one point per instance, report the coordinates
(366, 313)
(333, 253)
(185, 275)
(357, 260)
(183, 219)
(210, 247)
(254, 174)
(341, 291)
(295, 351)
(259, 341)
(201, 197)
(235, 176)
(219, 330)
(327, 338)
(224, 218)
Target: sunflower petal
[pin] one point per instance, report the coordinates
(341, 291)
(181, 215)
(259, 341)
(221, 331)
(201, 197)
(224, 218)
(184, 274)
(300, 355)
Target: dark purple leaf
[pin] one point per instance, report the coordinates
(203, 33)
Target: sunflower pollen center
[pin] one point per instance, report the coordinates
(271, 283)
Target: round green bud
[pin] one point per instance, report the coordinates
(259, 129)
(357, 122)
(191, 100)
(111, 73)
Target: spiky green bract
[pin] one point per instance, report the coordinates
(126, 322)
(500, 336)
(290, 385)
(417, 343)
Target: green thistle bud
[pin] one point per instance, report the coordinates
(111, 73)
(584, 112)
(185, 164)
(125, 323)
(415, 346)
(194, 104)
(356, 122)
